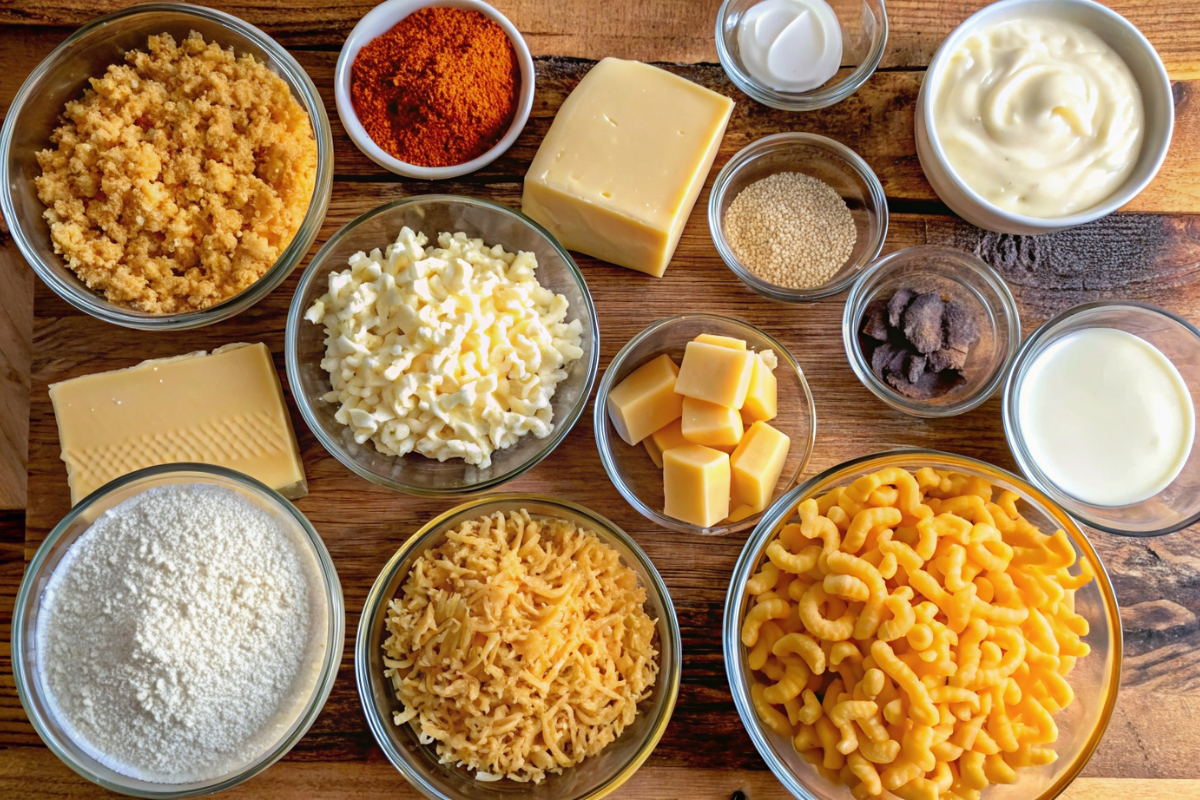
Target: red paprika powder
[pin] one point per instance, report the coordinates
(438, 89)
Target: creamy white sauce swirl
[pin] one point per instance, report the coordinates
(1039, 116)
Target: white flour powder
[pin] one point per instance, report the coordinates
(182, 633)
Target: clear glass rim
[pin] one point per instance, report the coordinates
(335, 643)
(296, 315)
(746, 156)
(801, 101)
(604, 528)
(83, 299)
(605, 443)
(756, 545)
(1025, 357)
(856, 303)
(933, 76)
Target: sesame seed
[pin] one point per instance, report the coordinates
(791, 230)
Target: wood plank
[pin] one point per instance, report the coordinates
(1149, 257)
(16, 331)
(877, 122)
(664, 30)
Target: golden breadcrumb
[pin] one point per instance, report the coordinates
(179, 177)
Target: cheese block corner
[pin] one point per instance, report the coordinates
(624, 161)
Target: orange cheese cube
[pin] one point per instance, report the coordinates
(663, 439)
(696, 485)
(755, 466)
(762, 401)
(710, 424)
(646, 400)
(714, 373)
(653, 451)
(721, 341)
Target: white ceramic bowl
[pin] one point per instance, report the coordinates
(1122, 37)
(379, 21)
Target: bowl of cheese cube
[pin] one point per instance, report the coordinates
(702, 421)
(920, 625)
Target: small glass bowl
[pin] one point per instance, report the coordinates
(864, 27)
(630, 468)
(592, 778)
(62, 76)
(304, 345)
(74, 525)
(1176, 506)
(970, 281)
(819, 157)
(1095, 679)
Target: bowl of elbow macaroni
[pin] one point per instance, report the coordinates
(441, 345)
(922, 626)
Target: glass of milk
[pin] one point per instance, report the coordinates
(1100, 413)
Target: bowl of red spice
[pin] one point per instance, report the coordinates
(434, 91)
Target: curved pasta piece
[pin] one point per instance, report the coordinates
(803, 645)
(834, 630)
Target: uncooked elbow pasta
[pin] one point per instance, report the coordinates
(453, 351)
(519, 646)
(913, 634)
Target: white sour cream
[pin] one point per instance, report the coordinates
(1039, 116)
(1106, 417)
(791, 45)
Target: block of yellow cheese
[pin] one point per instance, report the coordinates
(755, 467)
(710, 424)
(721, 341)
(762, 401)
(225, 408)
(696, 485)
(663, 439)
(645, 400)
(623, 163)
(717, 374)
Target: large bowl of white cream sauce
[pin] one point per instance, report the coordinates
(1040, 115)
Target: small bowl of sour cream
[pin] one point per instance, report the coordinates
(800, 55)
(1100, 413)
(1040, 115)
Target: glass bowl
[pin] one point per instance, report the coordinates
(864, 27)
(592, 778)
(1176, 506)
(67, 532)
(62, 76)
(818, 157)
(495, 224)
(967, 279)
(1094, 680)
(630, 468)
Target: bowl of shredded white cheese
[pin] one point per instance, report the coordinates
(441, 345)
(178, 632)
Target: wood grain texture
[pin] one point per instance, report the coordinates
(662, 30)
(1152, 255)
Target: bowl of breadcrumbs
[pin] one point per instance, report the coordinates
(797, 216)
(166, 167)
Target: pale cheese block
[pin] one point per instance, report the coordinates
(755, 468)
(762, 395)
(714, 373)
(721, 341)
(710, 424)
(225, 408)
(645, 400)
(696, 482)
(624, 161)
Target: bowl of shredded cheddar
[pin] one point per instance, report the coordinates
(923, 626)
(518, 644)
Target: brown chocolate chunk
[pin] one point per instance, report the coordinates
(960, 328)
(887, 358)
(875, 320)
(915, 368)
(897, 304)
(948, 358)
(923, 322)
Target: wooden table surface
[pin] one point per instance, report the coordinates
(1150, 251)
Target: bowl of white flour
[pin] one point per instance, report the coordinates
(178, 632)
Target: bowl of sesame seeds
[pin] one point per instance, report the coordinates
(797, 216)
